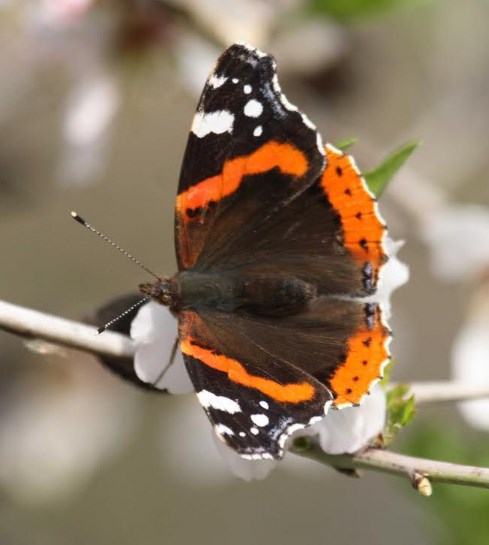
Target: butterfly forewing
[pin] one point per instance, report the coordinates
(244, 131)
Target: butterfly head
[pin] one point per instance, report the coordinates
(159, 291)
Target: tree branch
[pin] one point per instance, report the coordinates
(419, 471)
(33, 324)
(38, 325)
(438, 391)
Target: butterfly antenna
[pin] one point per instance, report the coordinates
(117, 318)
(79, 219)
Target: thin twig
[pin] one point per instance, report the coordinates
(399, 464)
(38, 325)
(438, 391)
(33, 324)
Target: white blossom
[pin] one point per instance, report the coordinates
(470, 357)
(57, 430)
(155, 331)
(458, 237)
(351, 428)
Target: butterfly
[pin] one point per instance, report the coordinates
(280, 247)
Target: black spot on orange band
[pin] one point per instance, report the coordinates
(367, 353)
(363, 229)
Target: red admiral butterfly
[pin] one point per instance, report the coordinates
(279, 242)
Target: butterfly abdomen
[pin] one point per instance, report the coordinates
(264, 294)
(276, 294)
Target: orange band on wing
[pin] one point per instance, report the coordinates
(274, 154)
(367, 354)
(363, 228)
(285, 393)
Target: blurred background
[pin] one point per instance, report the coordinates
(96, 101)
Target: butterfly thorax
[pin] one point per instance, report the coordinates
(271, 294)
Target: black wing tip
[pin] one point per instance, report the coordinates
(248, 53)
(245, 46)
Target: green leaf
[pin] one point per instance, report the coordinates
(378, 178)
(301, 444)
(400, 411)
(387, 373)
(352, 9)
(344, 144)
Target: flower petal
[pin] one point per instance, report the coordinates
(154, 330)
(249, 470)
(56, 431)
(394, 274)
(459, 240)
(91, 109)
(349, 429)
(470, 355)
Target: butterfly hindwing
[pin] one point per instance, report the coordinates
(254, 400)
(260, 380)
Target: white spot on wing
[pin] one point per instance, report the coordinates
(247, 89)
(292, 108)
(260, 420)
(216, 81)
(235, 80)
(242, 434)
(319, 142)
(260, 456)
(214, 122)
(255, 431)
(209, 400)
(221, 429)
(308, 122)
(290, 431)
(253, 108)
(283, 99)
(264, 405)
(258, 131)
